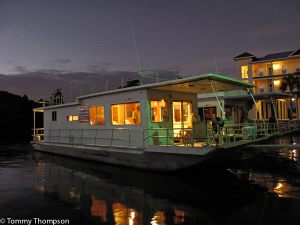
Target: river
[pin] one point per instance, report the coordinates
(38, 188)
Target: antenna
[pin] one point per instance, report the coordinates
(137, 55)
(215, 62)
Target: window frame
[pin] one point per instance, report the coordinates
(125, 108)
(54, 116)
(97, 121)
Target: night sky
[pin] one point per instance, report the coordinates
(48, 44)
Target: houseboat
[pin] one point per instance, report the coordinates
(149, 123)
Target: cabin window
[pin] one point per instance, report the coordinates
(128, 113)
(54, 116)
(209, 113)
(159, 110)
(72, 118)
(97, 115)
(228, 111)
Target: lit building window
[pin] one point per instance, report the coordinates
(128, 113)
(244, 72)
(97, 115)
(159, 111)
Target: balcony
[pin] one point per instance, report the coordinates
(276, 72)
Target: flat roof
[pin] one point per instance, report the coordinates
(259, 96)
(201, 84)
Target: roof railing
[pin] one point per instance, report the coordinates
(62, 96)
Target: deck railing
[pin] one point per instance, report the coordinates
(62, 96)
(119, 137)
(188, 137)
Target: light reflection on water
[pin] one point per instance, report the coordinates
(265, 190)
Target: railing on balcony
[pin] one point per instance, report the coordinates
(275, 72)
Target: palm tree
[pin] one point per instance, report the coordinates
(291, 82)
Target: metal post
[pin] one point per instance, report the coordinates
(218, 102)
(112, 137)
(34, 125)
(71, 95)
(96, 137)
(256, 106)
(106, 84)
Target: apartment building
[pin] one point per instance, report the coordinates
(267, 73)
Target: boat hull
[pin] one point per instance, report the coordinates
(156, 158)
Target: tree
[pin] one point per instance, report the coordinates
(291, 82)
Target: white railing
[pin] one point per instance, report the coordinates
(275, 72)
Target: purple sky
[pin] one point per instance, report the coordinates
(48, 44)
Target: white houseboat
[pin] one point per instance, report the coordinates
(150, 125)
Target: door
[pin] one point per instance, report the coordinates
(181, 118)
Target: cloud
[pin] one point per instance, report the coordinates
(43, 82)
(18, 68)
(98, 67)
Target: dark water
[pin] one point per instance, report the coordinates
(40, 187)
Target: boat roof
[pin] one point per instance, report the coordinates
(201, 84)
(259, 96)
(197, 85)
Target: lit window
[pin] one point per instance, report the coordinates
(97, 115)
(72, 118)
(244, 72)
(181, 111)
(159, 111)
(128, 113)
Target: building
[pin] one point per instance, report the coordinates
(267, 73)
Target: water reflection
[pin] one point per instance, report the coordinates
(109, 194)
(264, 190)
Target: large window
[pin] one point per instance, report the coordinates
(97, 115)
(244, 72)
(159, 110)
(128, 113)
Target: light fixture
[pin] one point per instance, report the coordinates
(276, 81)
